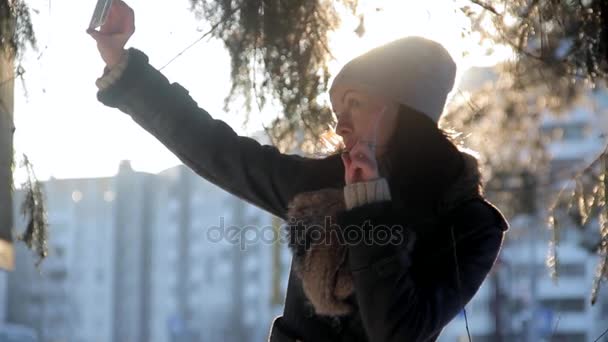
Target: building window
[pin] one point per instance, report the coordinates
(226, 253)
(209, 270)
(480, 338)
(57, 275)
(604, 309)
(525, 270)
(571, 270)
(574, 132)
(572, 305)
(99, 275)
(36, 299)
(573, 337)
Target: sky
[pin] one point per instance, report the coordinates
(67, 133)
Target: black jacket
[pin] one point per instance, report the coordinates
(400, 295)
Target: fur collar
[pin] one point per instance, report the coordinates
(322, 267)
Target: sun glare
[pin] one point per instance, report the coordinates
(388, 20)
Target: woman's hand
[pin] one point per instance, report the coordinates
(114, 33)
(360, 162)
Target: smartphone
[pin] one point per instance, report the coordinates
(101, 13)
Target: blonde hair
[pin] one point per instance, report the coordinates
(330, 143)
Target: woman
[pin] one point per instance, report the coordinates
(391, 237)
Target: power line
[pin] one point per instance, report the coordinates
(464, 309)
(604, 333)
(201, 38)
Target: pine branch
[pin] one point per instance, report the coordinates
(34, 209)
(486, 6)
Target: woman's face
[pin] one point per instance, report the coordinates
(357, 113)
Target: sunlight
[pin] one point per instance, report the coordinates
(438, 20)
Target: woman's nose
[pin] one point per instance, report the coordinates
(344, 126)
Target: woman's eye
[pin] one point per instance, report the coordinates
(355, 103)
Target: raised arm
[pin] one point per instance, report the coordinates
(257, 173)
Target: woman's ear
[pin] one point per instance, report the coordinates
(389, 106)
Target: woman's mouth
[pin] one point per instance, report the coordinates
(348, 145)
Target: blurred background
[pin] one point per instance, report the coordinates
(124, 227)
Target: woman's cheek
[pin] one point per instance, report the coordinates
(368, 127)
(364, 122)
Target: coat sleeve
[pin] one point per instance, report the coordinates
(392, 304)
(259, 174)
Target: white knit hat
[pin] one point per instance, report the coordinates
(413, 71)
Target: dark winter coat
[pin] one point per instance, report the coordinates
(401, 293)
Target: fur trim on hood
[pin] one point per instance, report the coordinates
(320, 261)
